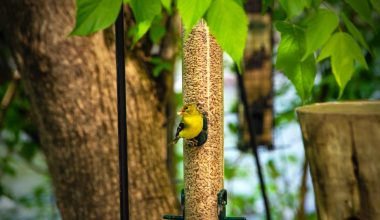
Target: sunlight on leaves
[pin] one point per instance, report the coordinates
(229, 25)
(167, 5)
(343, 51)
(144, 12)
(92, 16)
(294, 7)
(319, 28)
(290, 51)
(192, 11)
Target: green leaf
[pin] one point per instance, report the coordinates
(229, 25)
(319, 28)
(316, 3)
(160, 65)
(376, 5)
(167, 5)
(92, 16)
(290, 51)
(28, 151)
(363, 9)
(157, 30)
(144, 12)
(273, 171)
(355, 32)
(240, 2)
(192, 11)
(126, 1)
(294, 7)
(343, 51)
(233, 128)
(266, 4)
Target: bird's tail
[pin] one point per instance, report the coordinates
(175, 140)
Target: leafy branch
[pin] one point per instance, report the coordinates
(306, 28)
(226, 19)
(311, 28)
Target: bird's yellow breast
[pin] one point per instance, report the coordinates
(193, 126)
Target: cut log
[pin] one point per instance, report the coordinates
(342, 145)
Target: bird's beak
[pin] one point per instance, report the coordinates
(180, 112)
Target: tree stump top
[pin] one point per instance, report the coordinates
(342, 108)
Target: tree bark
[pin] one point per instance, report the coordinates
(342, 147)
(71, 82)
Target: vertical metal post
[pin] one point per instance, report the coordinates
(121, 113)
(253, 144)
(203, 85)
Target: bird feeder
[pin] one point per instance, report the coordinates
(203, 85)
(204, 197)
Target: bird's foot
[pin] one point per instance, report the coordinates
(192, 142)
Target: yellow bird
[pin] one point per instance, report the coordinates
(193, 126)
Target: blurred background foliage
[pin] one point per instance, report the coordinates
(25, 185)
(26, 189)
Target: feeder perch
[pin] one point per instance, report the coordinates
(222, 202)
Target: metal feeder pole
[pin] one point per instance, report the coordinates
(121, 113)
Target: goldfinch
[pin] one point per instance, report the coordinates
(193, 127)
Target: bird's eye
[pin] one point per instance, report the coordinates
(186, 108)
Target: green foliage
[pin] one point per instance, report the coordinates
(144, 11)
(363, 9)
(158, 30)
(24, 179)
(266, 4)
(289, 59)
(192, 11)
(92, 16)
(229, 24)
(273, 171)
(343, 51)
(311, 25)
(355, 32)
(160, 65)
(376, 5)
(319, 28)
(167, 4)
(316, 26)
(294, 7)
(233, 128)
(226, 19)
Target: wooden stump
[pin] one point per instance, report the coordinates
(342, 145)
(203, 85)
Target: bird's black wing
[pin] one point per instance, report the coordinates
(202, 136)
(204, 122)
(180, 127)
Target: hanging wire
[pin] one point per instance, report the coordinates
(121, 113)
(253, 144)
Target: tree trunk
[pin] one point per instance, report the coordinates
(342, 147)
(71, 82)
